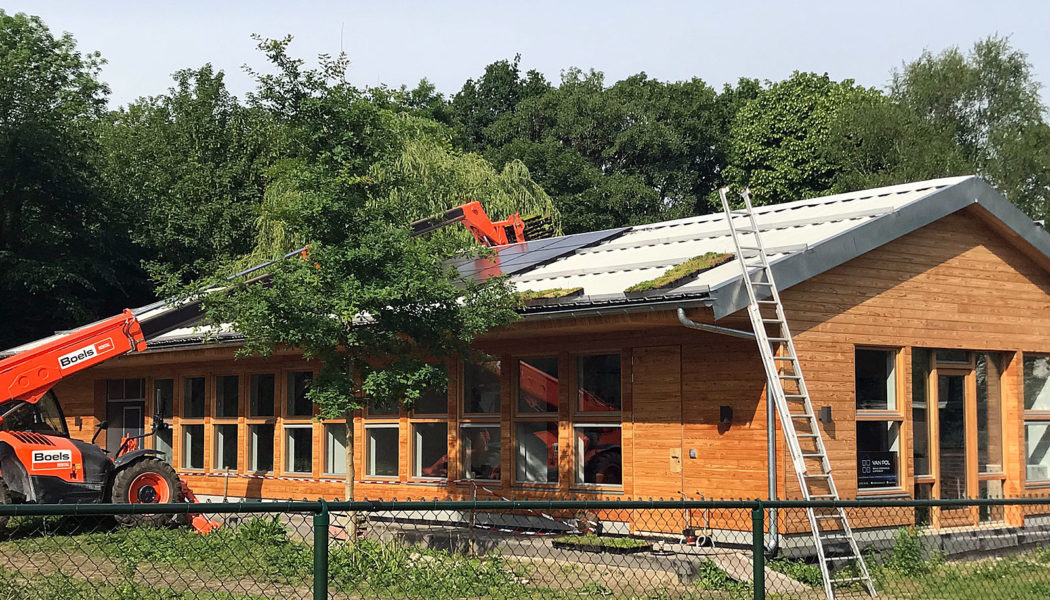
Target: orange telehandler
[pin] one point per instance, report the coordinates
(40, 462)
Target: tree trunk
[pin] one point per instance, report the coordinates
(348, 491)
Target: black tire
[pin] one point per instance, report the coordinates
(5, 498)
(149, 480)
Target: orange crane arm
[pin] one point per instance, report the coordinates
(30, 374)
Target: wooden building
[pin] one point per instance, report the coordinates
(922, 319)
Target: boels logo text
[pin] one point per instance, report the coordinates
(44, 458)
(81, 354)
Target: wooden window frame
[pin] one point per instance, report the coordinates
(895, 415)
(181, 422)
(520, 416)
(1031, 417)
(385, 424)
(578, 418)
(288, 421)
(251, 421)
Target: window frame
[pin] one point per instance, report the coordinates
(578, 418)
(1030, 417)
(889, 416)
(396, 426)
(251, 421)
(181, 422)
(412, 419)
(286, 429)
(520, 417)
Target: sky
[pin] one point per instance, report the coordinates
(397, 43)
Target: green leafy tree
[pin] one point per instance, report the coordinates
(64, 254)
(190, 167)
(778, 139)
(379, 310)
(987, 102)
(497, 92)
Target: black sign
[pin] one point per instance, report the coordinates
(876, 470)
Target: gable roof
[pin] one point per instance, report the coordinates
(805, 238)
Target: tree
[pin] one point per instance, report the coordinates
(64, 252)
(189, 167)
(377, 309)
(987, 102)
(496, 93)
(778, 139)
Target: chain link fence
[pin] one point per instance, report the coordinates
(982, 549)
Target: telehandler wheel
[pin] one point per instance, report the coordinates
(148, 481)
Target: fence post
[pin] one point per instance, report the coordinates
(758, 550)
(321, 523)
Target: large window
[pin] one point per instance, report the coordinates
(261, 440)
(298, 448)
(598, 377)
(479, 430)
(192, 422)
(598, 455)
(225, 447)
(335, 448)
(381, 450)
(536, 421)
(480, 443)
(430, 450)
(1037, 417)
(299, 404)
(988, 368)
(225, 426)
(261, 421)
(227, 396)
(878, 419)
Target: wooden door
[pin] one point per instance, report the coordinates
(657, 396)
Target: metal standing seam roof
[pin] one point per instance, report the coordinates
(805, 237)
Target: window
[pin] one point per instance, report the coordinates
(193, 398)
(536, 460)
(878, 444)
(598, 454)
(989, 413)
(298, 448)
(125, 389)
(193, 446)
(481, 451)
(298, 403)
(261, 447)
(335, 448)
(875, 380)
(598, 377)
(262, 394)
(481, 388)
(538, 385)
(432, 401)
(225, 447)
(164, 404)
(430, 450)
(227, 390)
(1037, 417)
(878, 419)
(381, 450)
(920, 411)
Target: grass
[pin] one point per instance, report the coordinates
(591, 539)
(679, 273)
(550, 294)
(798, 570)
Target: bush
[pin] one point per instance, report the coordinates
(906, 557)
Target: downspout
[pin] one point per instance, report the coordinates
(773, 545)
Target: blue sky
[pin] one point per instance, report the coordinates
(448, 42)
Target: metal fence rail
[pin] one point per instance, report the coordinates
(663, 549)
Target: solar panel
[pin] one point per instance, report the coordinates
(515, 258)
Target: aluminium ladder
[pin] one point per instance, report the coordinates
(832, 536)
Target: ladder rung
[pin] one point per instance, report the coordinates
(827, 516)
(795, 396)
(777, 339)
(753, 248)
(772, 321)
(765, 301)
(844, 557)
(813, 435)
(834, 534)
(761, 283)
(789, 376)
(817, 455)
(818, 476)
(801, 416)
(783, 358)
(847, 579)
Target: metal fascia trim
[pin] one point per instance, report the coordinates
(790, 270)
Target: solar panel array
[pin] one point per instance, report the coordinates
(514, 258)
